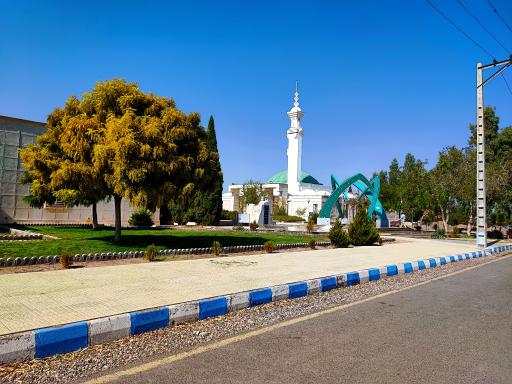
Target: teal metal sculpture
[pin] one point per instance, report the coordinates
(370, 189)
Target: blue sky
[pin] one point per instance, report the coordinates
(377, 79)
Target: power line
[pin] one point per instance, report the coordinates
(458, 28)
(506, 82)
(499, 15)
(483, 27)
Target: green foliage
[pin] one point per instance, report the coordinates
(288, 219)
(439, 234)
(119, 142)
(311, 222)
(204, 205)
(253, 226)
(338, 236)
(151, 253)
(141, 218)
(252, 192)
(66, 260)
(312, 244)
(269, 246)
(229, 215)
(362, 230)
(495, 234)
(216, 248)
(300, 212)
(280, 211)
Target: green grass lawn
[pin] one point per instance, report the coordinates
(85, 240)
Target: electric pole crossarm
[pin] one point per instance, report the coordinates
(497, 73)
(496, 63)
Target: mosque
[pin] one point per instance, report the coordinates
(298, 192)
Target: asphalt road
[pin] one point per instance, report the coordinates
(454, 330)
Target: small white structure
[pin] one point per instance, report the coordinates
(259, 213)
(295, 190)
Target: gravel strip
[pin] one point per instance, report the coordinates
(81, 365)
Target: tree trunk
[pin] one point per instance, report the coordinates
(94, 216)
(470, 221)
(117, 209)
(444, 218)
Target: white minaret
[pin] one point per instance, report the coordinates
(295, 134)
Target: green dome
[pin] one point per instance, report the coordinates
(282, 178)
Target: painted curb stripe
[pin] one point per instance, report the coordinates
(374, 274)
(407, 267)
(144, 321)
(353, 278)
(261, 296)
(297, 290)
(213, 307)
(391, 270)
(328, 283)
(56, 340)
(421, 265)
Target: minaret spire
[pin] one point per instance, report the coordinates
(295, 134)
(296, 98)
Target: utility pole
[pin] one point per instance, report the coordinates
(481, 203)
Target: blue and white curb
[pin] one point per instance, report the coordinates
(40, 343)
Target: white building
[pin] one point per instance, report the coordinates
(293, 189)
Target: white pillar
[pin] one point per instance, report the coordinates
(481, 224)
(295, 134)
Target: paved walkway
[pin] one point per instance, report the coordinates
(41, 299)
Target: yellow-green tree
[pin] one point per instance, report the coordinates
(119, 142)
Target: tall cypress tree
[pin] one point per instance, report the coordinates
(204, 205)
(213, 200)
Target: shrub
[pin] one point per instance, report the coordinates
(310, 226)
(141, 218)
(362, 230)
(455, 232)
(216, 248)
(239, 228)
(495, 234)
(269, 246)
(229, 215)
(280, 211)
(338, 236)
(287, 219)
(439, 234)
(300, 212)
(312, 244)
(66, 260)
(151, 252)
(253, 226)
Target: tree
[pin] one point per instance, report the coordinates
(362, 230)
(60, 166)
(127, 144)
(252, 192)
(446, 178)
(203, 205)
(338, 236)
